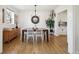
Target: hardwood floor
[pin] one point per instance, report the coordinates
(56, 45)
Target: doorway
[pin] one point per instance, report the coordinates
(62, 26)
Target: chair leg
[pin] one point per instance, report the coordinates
(33, 39)
(24, 38)
(42, 38)
(27, 39)
(36, 39)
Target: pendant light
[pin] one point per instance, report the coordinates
(35, 18)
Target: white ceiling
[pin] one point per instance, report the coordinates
(31, 7)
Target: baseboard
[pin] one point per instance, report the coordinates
(56, 35)
(63, 35)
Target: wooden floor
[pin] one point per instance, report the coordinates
(56, 45)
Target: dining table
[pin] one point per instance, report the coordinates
(45, 31)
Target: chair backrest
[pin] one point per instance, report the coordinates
(30, 31)
(39, 31)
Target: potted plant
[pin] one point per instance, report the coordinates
(50, 23)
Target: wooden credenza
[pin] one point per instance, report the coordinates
(10, 34)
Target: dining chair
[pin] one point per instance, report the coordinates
(39, 33)
(29, 34)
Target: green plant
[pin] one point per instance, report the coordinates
(50, 23)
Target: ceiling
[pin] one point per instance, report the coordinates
(38, 7)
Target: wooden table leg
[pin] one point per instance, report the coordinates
(44, 35)
(22, 36)
(47, 36)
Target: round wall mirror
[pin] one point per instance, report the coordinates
(35, 19)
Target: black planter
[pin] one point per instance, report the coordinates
(51, 30)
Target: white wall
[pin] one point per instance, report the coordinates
(70, 34)
(25, 19)
(76, 28)
(1, 48)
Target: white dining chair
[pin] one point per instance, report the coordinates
(29, 34)
(39, 33)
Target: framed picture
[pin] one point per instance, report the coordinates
(8, 16)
